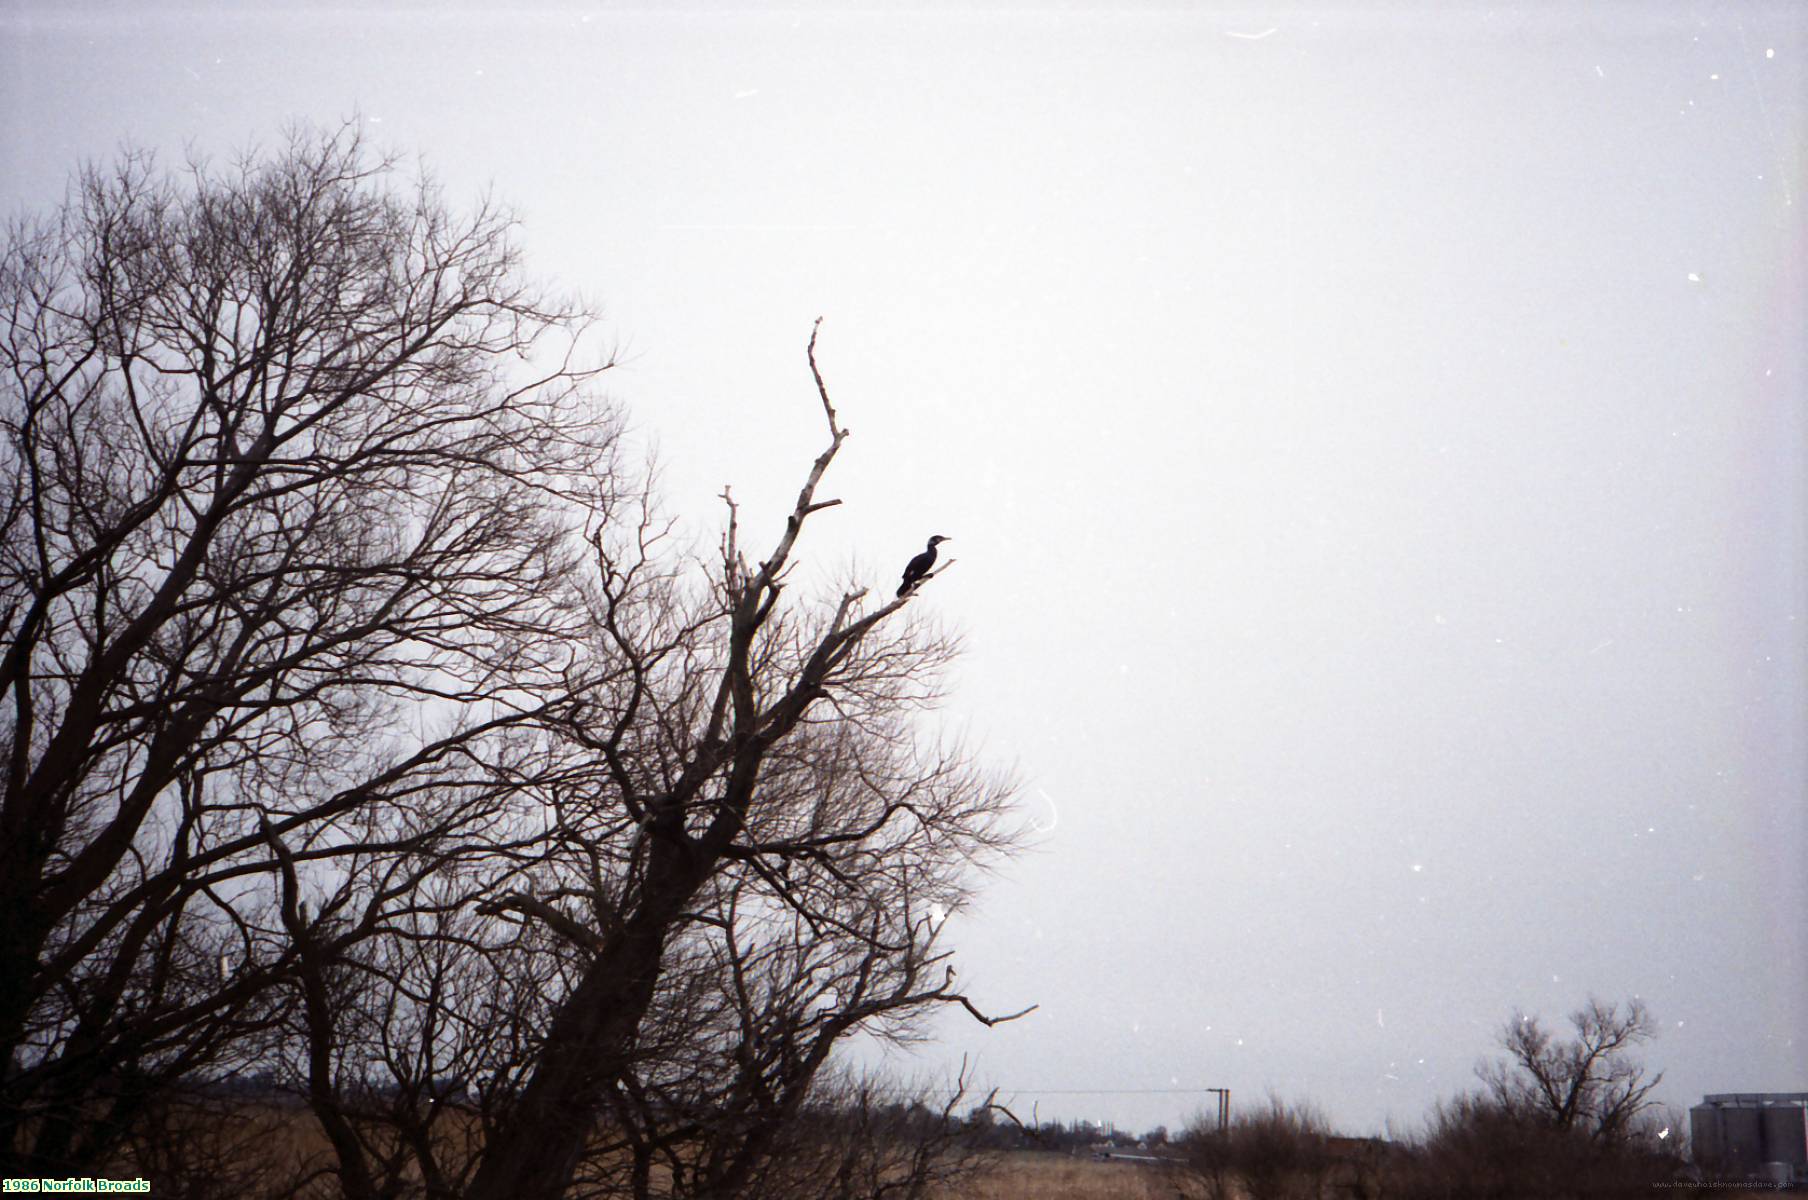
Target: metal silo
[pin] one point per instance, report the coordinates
(1752, 1135)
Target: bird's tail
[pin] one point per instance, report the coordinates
(904, 587)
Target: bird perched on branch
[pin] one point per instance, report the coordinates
(919, 566)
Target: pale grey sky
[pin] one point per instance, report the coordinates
(1374, 438)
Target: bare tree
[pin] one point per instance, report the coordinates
(1555, 1117)
(1591, 1083)
(1476, 1147)
(757, 864)
(286, 551)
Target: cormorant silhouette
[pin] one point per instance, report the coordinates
(919, 566)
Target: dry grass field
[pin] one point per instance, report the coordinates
(259, 1150)
(1040, 1175)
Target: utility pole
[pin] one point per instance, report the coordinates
(1223, 1095)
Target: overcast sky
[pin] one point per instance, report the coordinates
(1373, 438)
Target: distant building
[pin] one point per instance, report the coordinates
(1752, 1135)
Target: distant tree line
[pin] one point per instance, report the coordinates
(1556, 1117)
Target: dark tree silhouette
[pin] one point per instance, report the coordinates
(285, 552)
(764, 851)
(1591, 1082)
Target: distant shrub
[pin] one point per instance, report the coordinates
(1476, 1148)
(1276, 1153)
